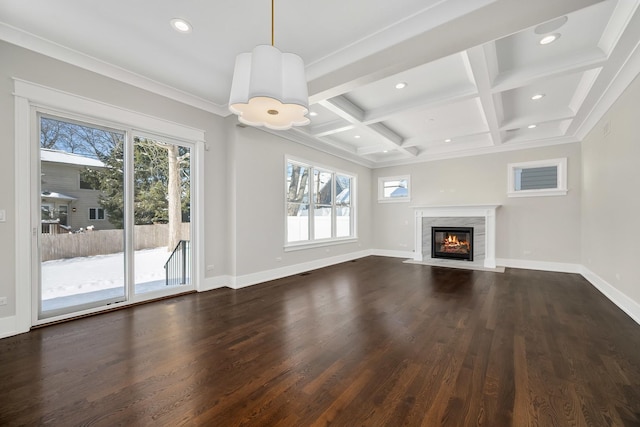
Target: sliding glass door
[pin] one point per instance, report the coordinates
(115, 216)
(162, 215)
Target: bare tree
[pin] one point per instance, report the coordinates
(174, 192)
(297, 188)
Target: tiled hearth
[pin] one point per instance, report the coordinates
(481, 217)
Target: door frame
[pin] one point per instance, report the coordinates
(30, 99)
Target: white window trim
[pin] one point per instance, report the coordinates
(97, 209)
(383, 179)
(315, 243)
(560, 190)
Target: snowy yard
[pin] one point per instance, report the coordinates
(72, 281)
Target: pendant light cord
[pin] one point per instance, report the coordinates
(272, 26)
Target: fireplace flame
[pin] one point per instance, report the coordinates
(452, 244)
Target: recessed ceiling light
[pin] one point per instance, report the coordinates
(538, 96)
(181, 25)
(549, 39)
(357, 136)
(532, 126)
(313, 114)
(401, 85)
(385, 151)
(447, 140)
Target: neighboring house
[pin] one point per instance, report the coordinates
(66, 200)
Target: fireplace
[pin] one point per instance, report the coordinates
(452, 243)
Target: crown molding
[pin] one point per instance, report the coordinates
(56, 51)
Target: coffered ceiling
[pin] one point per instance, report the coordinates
(470, 68)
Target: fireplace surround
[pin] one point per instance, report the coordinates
(481, 217)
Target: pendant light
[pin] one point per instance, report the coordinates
(270, 87)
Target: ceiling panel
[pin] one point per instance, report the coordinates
(578, 36)
(435, 80)
(440, 123)
(557, 97)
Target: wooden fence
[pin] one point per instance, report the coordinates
(103, 242)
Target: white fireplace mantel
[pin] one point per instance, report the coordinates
(486, 211)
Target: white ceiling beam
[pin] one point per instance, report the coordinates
(420, 104)
(547, 116)
(371, 149)
(387, 133)
(350, 112)
(425, 141)
(482, 61)
(561, 67)
(329, 128)
(506, 17)
(344, 109)
(622, 67)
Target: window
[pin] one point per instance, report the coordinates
(539, 178)
(394, 189)
(319, 204)
(96, 213)
(86, 181)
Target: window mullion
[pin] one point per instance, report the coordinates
(312, 203)
(334, 218)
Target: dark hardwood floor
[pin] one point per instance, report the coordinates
(373, 342)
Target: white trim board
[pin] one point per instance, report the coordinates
(392, 254)
(462, 265)
(622, 301)
(216, 282)
(10, 326)
(291, 270)
(525, 264)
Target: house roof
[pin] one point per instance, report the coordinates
(54, 195)
(56, 156)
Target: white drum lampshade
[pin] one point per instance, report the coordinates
(270, 89)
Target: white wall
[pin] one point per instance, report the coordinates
(27, 65)
(536, 229)
(258, 202)
(611, 196)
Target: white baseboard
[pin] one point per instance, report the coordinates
(624, 303)
(560, 267)
(392, 254)
(290, 270)
(9, 327)
(216, 282)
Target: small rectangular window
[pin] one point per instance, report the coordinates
(394, 189)
(96, 213)
(538, 178)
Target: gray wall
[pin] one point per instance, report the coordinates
(611, 195)
(258, 208)
(27, 65)
(527, 228)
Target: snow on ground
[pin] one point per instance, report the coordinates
(73, 276)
